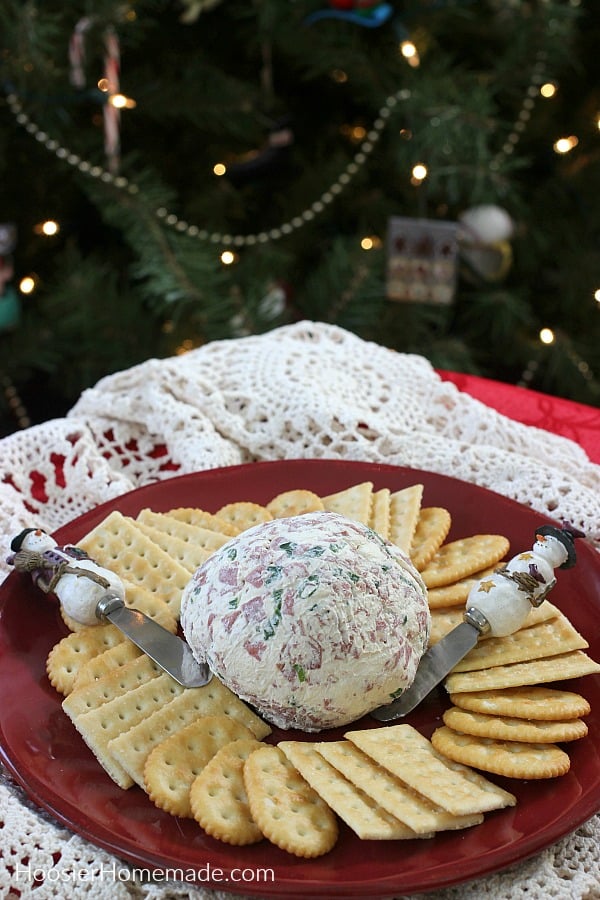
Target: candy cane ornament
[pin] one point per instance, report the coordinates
(112, 115)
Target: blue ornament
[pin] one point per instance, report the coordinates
(372, 17)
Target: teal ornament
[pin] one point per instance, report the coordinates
(10, 309)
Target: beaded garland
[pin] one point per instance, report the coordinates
(318, 206)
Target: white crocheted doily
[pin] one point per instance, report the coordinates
(308, 390)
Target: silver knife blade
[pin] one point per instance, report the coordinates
(167, 650)
(433, 668)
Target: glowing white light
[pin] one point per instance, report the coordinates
(410, 53)
(566, 144)
(48, 228)
(27, 284)
(120, 101)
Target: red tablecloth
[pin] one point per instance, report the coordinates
(573, 420)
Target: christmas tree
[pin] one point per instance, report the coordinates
(423, 173)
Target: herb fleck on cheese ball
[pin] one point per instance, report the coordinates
(314, 620)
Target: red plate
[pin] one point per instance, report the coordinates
(48, 759)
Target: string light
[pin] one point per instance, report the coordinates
(48, 228)
(27, 284)
(339, 76)
(410, 53)
(227, 257)
(546, 336)
(219, 169)
(355, 133)
(120, 101)
(419, 173)
(370, 242)
(597, 295)
(548, 90)
(184, 347)
(565, 144)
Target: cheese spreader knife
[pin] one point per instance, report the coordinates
(168, 651)
(435, 664)
(89, 594)
(497, 605)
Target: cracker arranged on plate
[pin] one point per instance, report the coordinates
(244, 514)
(538, 641)
(508, 728)
(456, 593)
(559, 667)
(526, 702)
(118, 544)
(405, 507)
(200, 518)
(408, 755)
(353, 502)
(288, 811)
(461, 558)
(218, 798)
(294, 503)
(433, 525)
(392, 794)
(446, 618)
(189, 545)
(72, 652)
(512, 759)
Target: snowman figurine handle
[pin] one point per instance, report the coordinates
(505, 598)
(68, 573)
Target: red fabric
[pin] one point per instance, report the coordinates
(573, 420)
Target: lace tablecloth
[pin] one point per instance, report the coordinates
(303, 391)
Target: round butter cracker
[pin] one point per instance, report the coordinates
(507, 728)
(218, 798)
(244, 514)
(294, 503)
(512, 759)
(463, 557)
(285, 807)
(527, 702)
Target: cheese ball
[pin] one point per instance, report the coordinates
(314, 620)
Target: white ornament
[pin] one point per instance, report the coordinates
(486, 224)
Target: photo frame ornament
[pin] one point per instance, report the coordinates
(422, 260)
